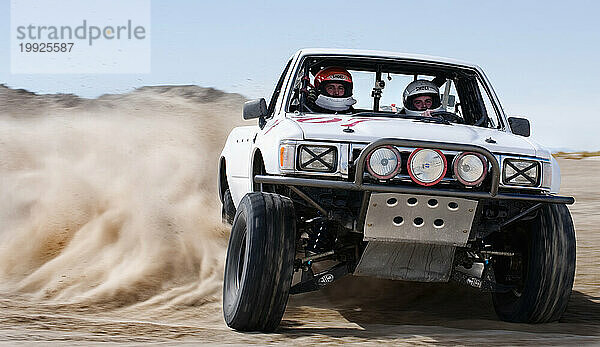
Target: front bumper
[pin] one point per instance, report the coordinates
(311, 182)
(359, 185)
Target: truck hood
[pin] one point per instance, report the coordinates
(368, 129)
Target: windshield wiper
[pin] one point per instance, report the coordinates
(375, 114)
(433, 119)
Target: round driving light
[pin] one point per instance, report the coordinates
(427, 166)
(384, 162)
(470, 168)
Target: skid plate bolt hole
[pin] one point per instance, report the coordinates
(452, 206)
(398, 220)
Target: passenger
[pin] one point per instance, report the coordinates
(332, 92)
(421, 98)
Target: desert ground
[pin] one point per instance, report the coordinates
(110, 232)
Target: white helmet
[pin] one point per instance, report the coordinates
(420, 88)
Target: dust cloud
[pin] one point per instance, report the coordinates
(113, 201)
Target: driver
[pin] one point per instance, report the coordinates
(332, 92)
(421, 98)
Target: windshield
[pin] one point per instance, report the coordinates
(377, 88)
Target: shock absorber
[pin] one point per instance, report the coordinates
(320, 238)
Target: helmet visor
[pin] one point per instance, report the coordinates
(422, 105)
(332, 89)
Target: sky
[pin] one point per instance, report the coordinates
(542, 58)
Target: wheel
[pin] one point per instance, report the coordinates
(228, 208)
(449, 116)
(543, 274)
(260, 262)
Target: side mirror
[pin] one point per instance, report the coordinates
(519, 126)
(255, 109)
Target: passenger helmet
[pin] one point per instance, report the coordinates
(336, 75)
(421, 88)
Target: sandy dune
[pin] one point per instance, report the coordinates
(110, 232)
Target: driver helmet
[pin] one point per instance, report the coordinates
(334, 75)
(421, 88)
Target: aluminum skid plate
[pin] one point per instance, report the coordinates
(419, 218)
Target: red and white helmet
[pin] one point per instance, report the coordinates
(335, 75)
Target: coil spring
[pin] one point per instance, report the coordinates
(320, 239)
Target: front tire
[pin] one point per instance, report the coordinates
(547, 268)
(260, 262)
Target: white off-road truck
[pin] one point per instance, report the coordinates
(459, 194)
